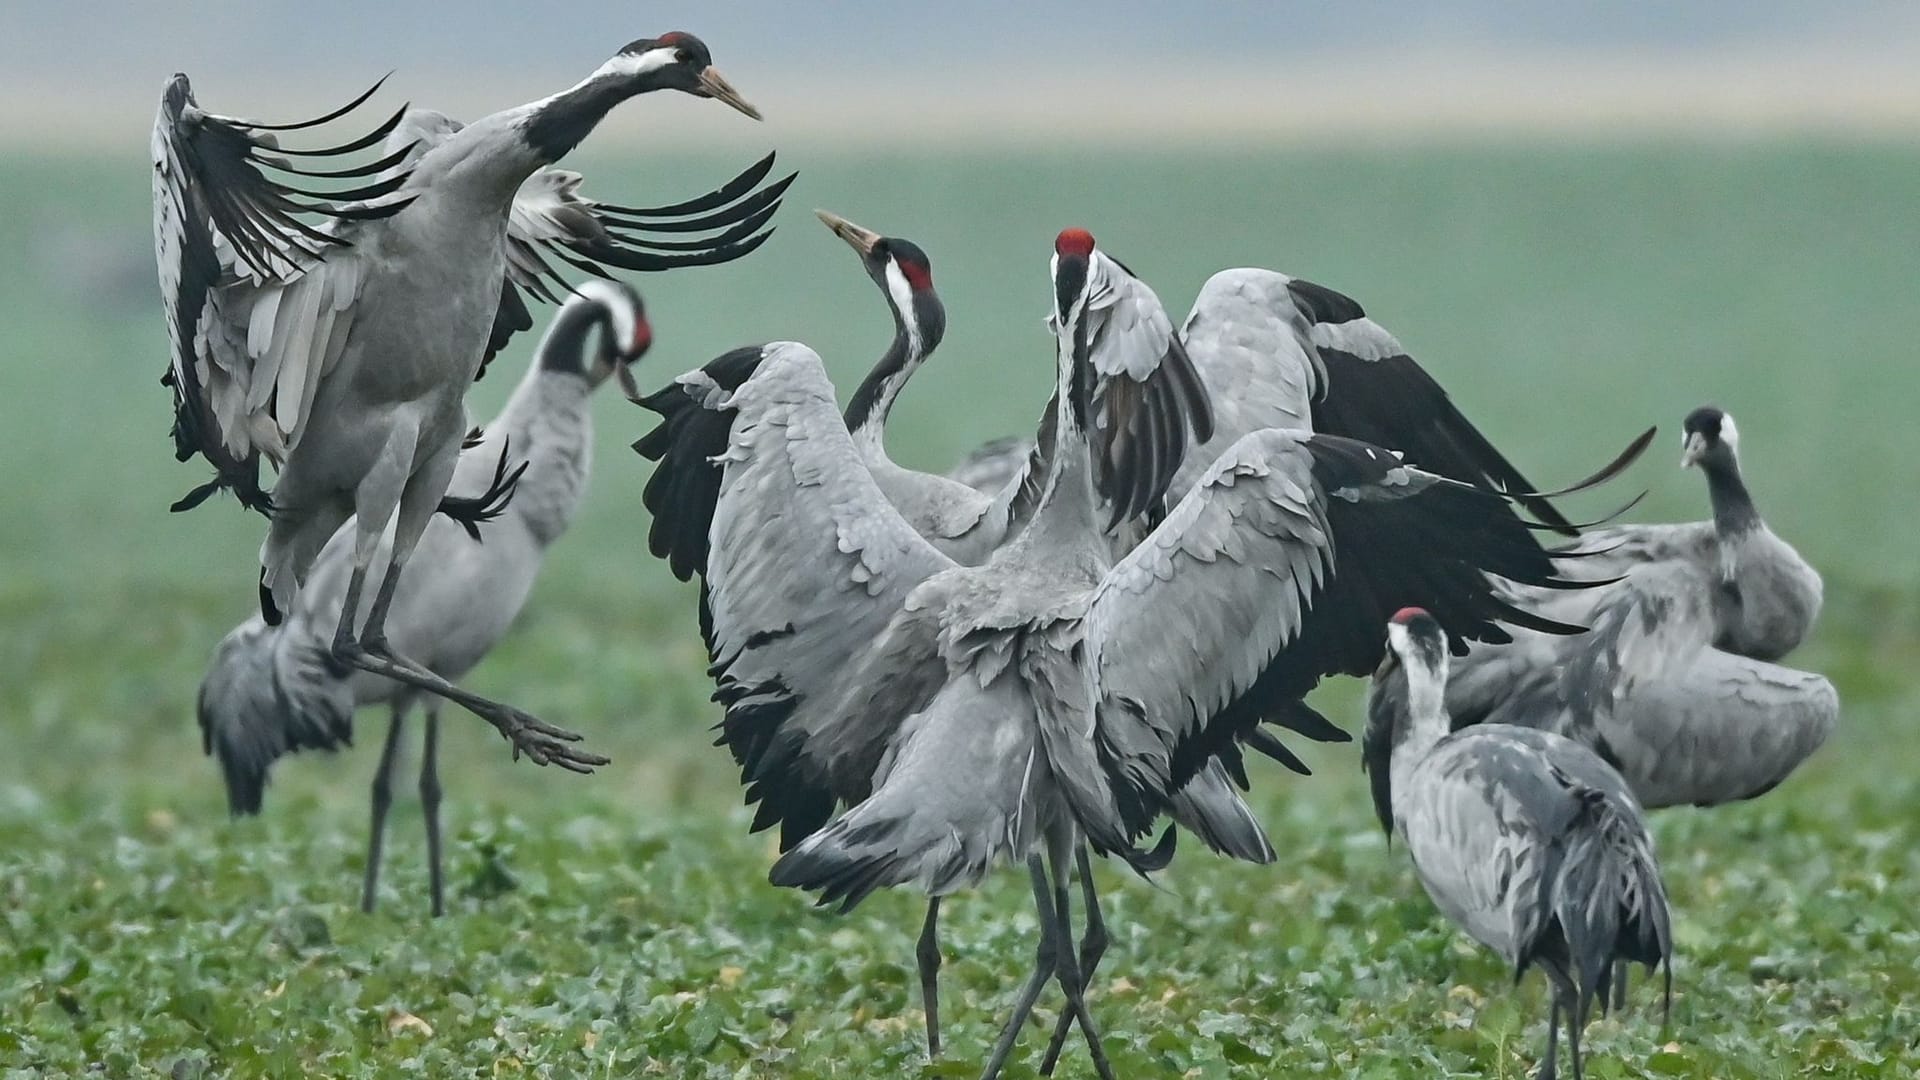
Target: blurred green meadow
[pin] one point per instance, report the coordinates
(1568, 295)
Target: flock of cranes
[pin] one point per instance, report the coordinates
(1065, 646)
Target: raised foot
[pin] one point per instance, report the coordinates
(541, 742)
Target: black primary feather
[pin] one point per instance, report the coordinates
(1393, 401)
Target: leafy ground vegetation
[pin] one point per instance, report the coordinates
(621, 925)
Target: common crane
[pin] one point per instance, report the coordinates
(275, 690)
(314, 347)
(1526, 840)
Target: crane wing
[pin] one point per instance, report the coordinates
(1251, 342)
(1377, 393)
(236, 247)
(1280, 567)
(1280, 351)
(804, 564)
(551, 221)
(1147, 400)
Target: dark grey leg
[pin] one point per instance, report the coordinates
(1576, 1020)
(928, 953)
(1093, 946)
(1548, 1070)
(430, 807)
(541, 741)
(1071, 979)
(1620, 969)
(1045, 966)
(382, 800)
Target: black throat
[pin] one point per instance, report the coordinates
(873, 395)
(1733, 509)
(565, 347)
(559, 125)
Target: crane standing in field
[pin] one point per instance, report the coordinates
(343, 353)
(275, 690)
(1526, 840)
(1677, 685)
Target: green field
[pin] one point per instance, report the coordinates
(621, 925)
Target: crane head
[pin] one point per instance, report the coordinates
(676, 60)
(1415, 639)
(1072, 258)
(902, 271)
(1708, 437)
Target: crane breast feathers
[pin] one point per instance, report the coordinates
(1185, 623)
(808, 562)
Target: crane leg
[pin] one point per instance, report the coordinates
(928, 954)
(1620, 969)
(430, 808)
(1072, 980)
(1093, 946)
(382, 800)
(1045, 966)
(544, 743)
(1548, 1069)
(1576, 1020)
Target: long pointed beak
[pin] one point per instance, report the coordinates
(861, 240)
(1691, 450)
(623, 364)
(715, 85)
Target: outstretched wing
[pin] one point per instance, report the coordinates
(1375, 392)
(250, 333)
(551, 221)
(1251, 342)
(1147, 399)
(761, 490)
(1278, 569)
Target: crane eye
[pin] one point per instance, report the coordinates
(681, 56)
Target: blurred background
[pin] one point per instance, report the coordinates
(1582, 217)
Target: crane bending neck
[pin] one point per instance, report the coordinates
(1733, 511)
(873, 399)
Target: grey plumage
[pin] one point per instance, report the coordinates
(1526, 840)
(1674, 684)
(306, 345)
(1283, 352)
(1048, 667)
(989, 467)
(275, 690)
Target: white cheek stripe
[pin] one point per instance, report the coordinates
(902, 295)
(629, 64)
(618, 308)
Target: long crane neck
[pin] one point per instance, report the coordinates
(494, 155)
(873, 399)
(548, 423)
(1734, 514)
(1067, 516)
